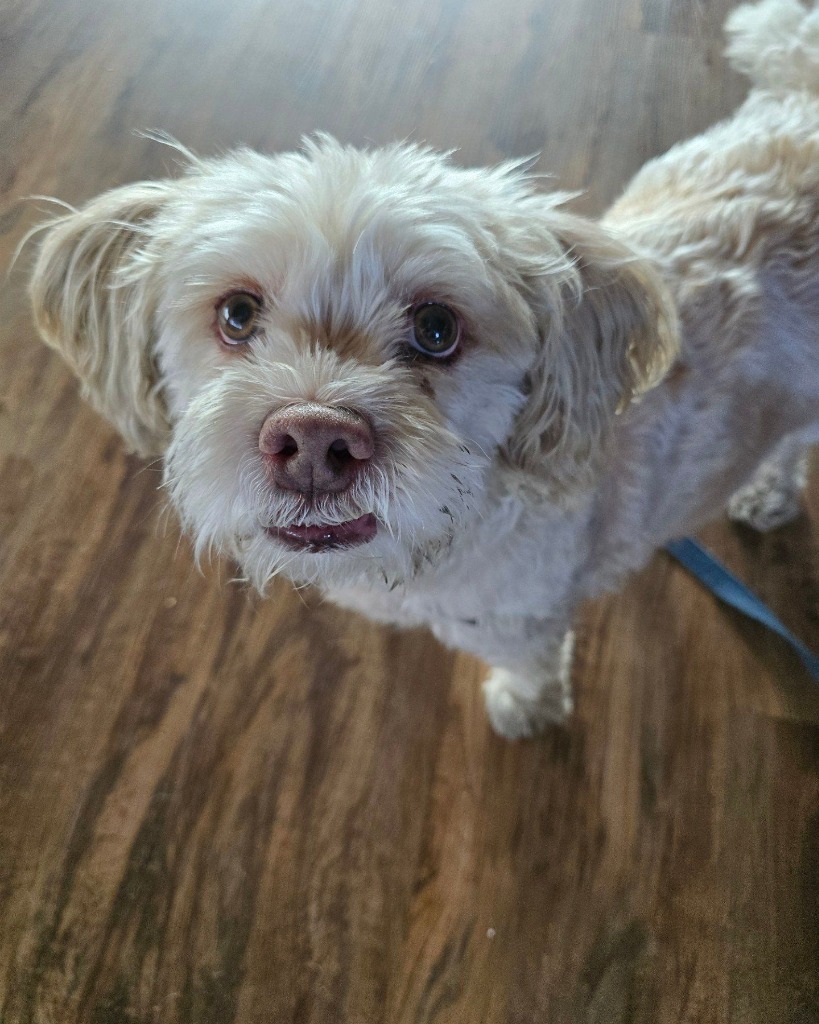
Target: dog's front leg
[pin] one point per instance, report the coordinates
(529, 685)
(525, 697)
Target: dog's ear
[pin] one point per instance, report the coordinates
(93, 291)
(607, 331)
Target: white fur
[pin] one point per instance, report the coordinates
(618, 382)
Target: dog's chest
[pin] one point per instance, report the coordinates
(515, 562)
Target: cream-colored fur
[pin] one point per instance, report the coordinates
(617, 382)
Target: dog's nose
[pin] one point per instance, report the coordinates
(315, 449)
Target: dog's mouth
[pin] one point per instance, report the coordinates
(327, 536)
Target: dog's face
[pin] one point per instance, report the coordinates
(336, 349)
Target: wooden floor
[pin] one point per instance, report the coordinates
(216, 809)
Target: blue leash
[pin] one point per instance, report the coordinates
(713, 574)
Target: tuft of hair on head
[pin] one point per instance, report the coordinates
(94, 299)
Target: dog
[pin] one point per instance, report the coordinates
(443, 398)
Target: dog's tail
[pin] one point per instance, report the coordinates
(776, 43)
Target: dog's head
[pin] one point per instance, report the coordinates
(336, 350)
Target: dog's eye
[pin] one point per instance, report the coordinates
(435, 330)
(237, 316)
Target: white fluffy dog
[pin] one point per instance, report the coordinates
(441, 397)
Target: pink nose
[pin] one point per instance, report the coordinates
(314, 449)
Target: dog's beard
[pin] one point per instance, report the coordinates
(423, 487)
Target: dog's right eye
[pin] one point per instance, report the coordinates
(237, 316)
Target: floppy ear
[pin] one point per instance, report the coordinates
(607, 331)
(94, 301)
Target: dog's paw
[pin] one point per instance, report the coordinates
(520, 705)
(770, 500)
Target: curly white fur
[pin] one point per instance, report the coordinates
(616, 384)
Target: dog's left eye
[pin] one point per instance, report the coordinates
(238, 316)
(435, 330)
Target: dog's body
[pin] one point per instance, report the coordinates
(608, 387)
(728, 425)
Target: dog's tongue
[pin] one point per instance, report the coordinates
(337, 535)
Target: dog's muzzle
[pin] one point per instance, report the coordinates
(316, 450)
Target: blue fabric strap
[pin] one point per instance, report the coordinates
(713, 574)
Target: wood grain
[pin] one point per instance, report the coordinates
(216, 809)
